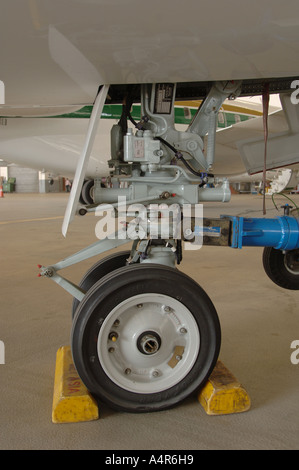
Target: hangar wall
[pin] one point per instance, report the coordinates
(26, 179)
(29, 180)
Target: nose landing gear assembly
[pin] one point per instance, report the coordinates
(144, 335)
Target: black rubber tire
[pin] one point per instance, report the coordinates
(85, 193)
(99, 270)
(121, 285)
(81, 200)
(275, 264)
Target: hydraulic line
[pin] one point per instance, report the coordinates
(266, 98)
(179, 156)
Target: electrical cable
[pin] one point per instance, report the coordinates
(179, 156)
(284, 195)
(266, 99)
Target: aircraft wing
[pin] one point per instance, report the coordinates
(66, 49)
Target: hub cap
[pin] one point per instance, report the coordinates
(148, 343)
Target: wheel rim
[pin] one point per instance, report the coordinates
(148, 343)
(291, 262)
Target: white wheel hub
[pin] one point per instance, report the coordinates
(148, 343)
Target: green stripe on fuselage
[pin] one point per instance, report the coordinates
(182, 115)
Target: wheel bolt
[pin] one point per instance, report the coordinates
(113, 336)
(183, 330)
(128, 371)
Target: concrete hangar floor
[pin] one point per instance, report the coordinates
(259, 322)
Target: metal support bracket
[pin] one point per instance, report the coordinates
(95, 249)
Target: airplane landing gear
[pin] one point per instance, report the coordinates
(145, 337)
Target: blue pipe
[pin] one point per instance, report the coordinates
(281, 233)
